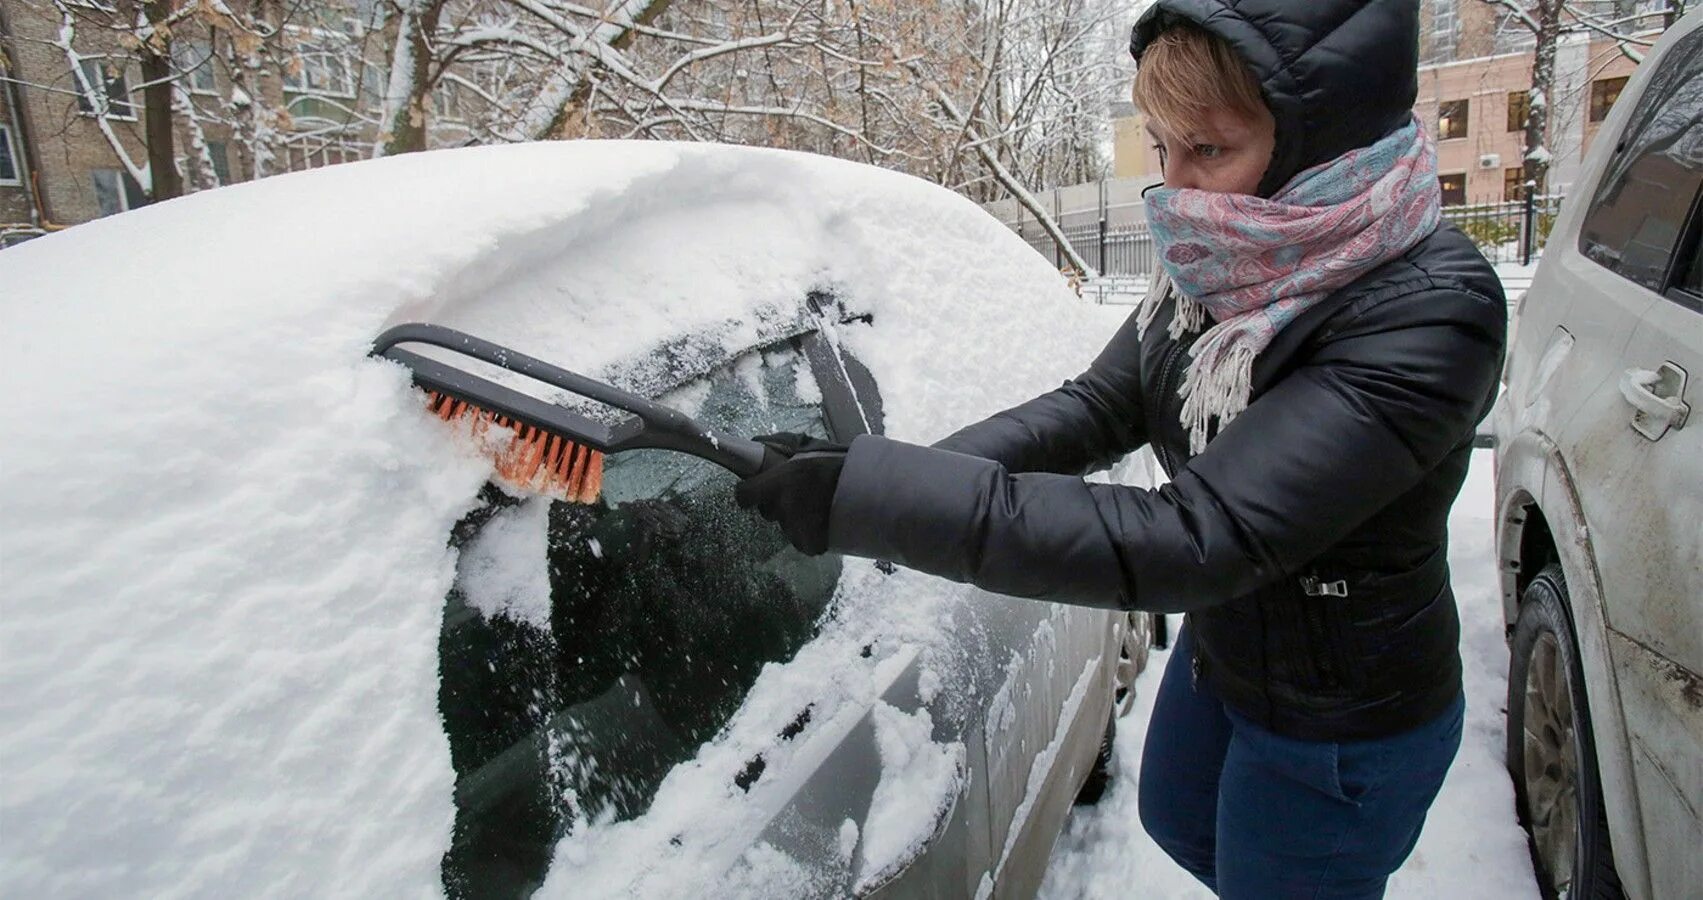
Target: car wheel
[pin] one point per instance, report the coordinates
(1551, 753)
(1099, 778)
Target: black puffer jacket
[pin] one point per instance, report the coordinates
(1308, 541)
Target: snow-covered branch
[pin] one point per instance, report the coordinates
(96, 97)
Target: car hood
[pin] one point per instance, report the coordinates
(226, 526)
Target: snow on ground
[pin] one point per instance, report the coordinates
(1471, 845)
(226, 527)
(1516, 278)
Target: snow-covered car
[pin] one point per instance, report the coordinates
(268, 628)
(1600, 505)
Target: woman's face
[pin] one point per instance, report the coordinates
(1227, 151)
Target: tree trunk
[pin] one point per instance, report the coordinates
(643, 12)
(410, 78)
(1538, 153)
(157, 105)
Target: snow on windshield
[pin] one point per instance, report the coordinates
(225, 526)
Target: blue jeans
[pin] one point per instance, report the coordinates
(1254, 814)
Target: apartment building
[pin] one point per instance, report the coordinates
(72, 120)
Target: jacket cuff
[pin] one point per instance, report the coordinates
(909, 504)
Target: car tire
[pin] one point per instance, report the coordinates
(1551, 750)
(1133, 649)
(1099, 779)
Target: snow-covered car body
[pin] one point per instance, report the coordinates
(251, 582)
(1599, 472)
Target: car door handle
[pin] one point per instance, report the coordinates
(1658, 396)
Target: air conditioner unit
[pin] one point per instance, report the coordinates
(1490, 161)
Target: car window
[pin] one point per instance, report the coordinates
(1640, 207)
(664, 601)
(1687, 289)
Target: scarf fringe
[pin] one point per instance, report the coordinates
(1190, 314)
(1218, 383)
(1189, 317)
(1158, 285)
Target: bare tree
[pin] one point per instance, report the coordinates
(155, 124)
(1633, 26)
(993, 98)
(987, 97)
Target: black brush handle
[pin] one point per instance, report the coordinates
(657, 426)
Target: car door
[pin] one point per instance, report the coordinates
(1636, 460)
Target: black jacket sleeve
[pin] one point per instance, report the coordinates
(1384, 398)
(1087, 424)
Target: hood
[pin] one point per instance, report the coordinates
(1336, 74)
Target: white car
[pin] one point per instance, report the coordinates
(1600, 506)
(267, 630)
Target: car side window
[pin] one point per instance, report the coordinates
(587, 649)
(1687, 287)
(1642, 204)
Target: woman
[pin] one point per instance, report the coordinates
(1309, 368)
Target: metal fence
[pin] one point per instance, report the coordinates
(1114, 241)
(1507, 232)
(1123, 250)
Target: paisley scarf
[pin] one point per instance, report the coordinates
(1254, 265)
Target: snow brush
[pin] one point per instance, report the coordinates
(555, 451)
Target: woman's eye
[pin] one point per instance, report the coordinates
(1207, 151)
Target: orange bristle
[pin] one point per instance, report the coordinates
(533, 459)
(573, 470)
(534, 456)
(553, 457)
(593, 484)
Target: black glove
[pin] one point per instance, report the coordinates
(795, 488)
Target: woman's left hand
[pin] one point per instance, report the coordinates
(798, 493)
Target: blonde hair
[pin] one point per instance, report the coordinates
(1187, 72)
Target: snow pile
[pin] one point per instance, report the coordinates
(505, 569)
(226, 528)
(916, 773)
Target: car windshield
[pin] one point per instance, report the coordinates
(587, 649)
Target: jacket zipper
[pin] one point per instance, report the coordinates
(1164, 384)
(1317, 587)
(1323, 642)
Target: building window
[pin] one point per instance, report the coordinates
(1514, 184)
(221, 160)
(8, 159)
(194, 59)
(116, 191)
(1604, 91)
(314, 151)
(1519, 110)
(1451, 119)
(1444, 26)
(319, 69)
(109, 92)
(1454, 188)
(1512, 35)
(446, 100)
